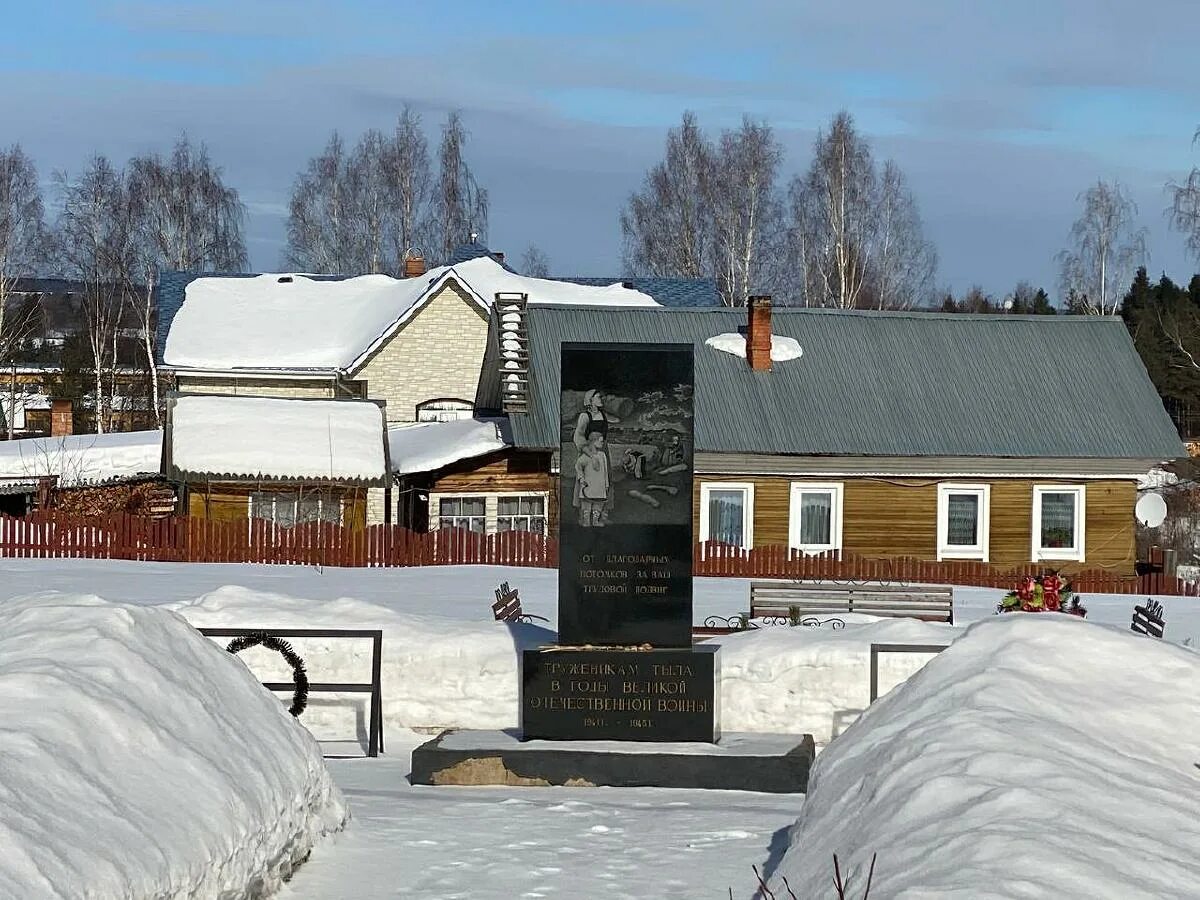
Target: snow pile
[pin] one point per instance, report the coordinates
(815, 680)
(437, 672)
(428, 446)
(278, 438)
(1039, 756)
(139, 760)
(287, 321)
(782, 348)
(81, 459)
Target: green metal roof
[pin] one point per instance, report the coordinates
(882, 383)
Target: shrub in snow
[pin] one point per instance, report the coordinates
(958, 780)
(139, 759)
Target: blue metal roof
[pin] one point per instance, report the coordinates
(676, 293)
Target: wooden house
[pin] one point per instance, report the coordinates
(1002, 439)
(285, 461)
(415, 344)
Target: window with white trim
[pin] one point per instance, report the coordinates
(463, 512)
(1058, 517)
(521, 513)
(727, 513)
(815, 517)
(963, 519)
(445, 410)
(288, 508)
(489, 513)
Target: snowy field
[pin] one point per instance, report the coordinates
(447, 664)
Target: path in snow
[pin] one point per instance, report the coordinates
(507, 843)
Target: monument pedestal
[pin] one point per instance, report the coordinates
(621, 694)
(770, 763)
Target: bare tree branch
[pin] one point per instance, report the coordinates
(1106, 250)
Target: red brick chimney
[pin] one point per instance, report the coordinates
(758, 333)
(414, 264)
(62, 418)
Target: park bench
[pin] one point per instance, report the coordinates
(507, 607)
(786, 602)
(1148, 619)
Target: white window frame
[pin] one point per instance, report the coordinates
(982, 548)
(1076, 553)
(799, 488)
(529, 495)
(491, 506)
(444, 409)
(296, 496)
(747, 487)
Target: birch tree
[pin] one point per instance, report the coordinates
(96, 243)
(833, 218)
(411, 186)
(460, 204)
(667, 225)
(746, 209)
(904, 262)
(184, 217)
(1185, 205)
(535, 263)
(1106, 249)
(318, 226)
(22, 233)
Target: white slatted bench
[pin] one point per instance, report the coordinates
(791, 600)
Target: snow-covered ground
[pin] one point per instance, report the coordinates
(138, 760)
(1036, 757)
(447, 664)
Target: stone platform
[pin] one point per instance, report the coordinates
(771, 763)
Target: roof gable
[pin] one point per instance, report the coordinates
(885, 384)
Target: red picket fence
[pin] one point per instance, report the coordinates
(54, 535)
(713, 558)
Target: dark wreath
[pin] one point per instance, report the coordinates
(284, 649)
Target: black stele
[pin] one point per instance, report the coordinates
(284, 649)
(625, 503)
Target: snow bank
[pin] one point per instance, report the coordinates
(815, 680)
(486, 278)
(437, 672)
(429, 446)
(139, 760)
(1038, 756)
(782, 348)
(82, 459)
(278, 438)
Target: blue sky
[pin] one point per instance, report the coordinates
(1000, 111)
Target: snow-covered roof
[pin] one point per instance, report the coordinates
(428, 446)
(83, 459)
(294, 322)
(277, 439)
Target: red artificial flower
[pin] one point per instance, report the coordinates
(1025, 590)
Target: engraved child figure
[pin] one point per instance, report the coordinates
(592, 482)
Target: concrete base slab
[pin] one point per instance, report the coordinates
(771, 763)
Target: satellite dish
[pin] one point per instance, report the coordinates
(1151, 510)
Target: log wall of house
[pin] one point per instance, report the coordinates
(893, 517)
(230, 501)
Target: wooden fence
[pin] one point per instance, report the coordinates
(55, 535)
(183, 539)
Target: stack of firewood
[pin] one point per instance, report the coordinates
(153, 499)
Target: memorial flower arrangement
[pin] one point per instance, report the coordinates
(1050, 592)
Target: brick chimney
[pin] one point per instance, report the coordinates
(414, 264)
(62, 418)
(758, 333)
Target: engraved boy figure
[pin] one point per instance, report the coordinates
(592, 482)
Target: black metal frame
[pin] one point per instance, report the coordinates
(745, 623)
(876, 649)
(374, 687)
